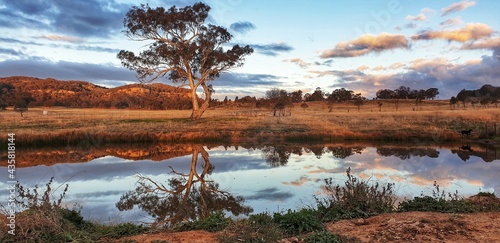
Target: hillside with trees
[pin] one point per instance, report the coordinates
(51, 92)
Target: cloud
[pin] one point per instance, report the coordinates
(492, 44)
(298, 61)
(419, 17)
(437, 68)
(362, 68)
(299, 182)
(428, 10)
(397, 65)
(74, 18)
(67, 46)
(441, 73)
(345, 75)
(270, 194)
(272, 49)
(451, 22)
(42, 68)
(242, 27)
(64, 38)
(11, 52)
(456, 7)
(366, 44)
(92, 48)
(245, 83)
(16, 41)
(472, 31)
(410, 25)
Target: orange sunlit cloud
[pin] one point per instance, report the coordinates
(492, 43)
(472, 31)
(397, 65)
(298, 61)
(366, 44)
(362, 68)
(299, 182)
(397, 178)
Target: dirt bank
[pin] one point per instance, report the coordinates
(392, 227)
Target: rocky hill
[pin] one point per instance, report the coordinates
(52, 92)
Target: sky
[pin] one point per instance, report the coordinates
(359, 45)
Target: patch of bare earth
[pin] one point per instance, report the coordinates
(391, 227)
(422, 227)
(195, 236)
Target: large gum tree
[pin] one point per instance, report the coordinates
(182, 47)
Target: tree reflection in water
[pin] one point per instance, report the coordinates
(187, 197)
(407, 153)
(343, 152)
(275, 156)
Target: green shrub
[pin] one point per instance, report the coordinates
(323, 237)
(257, 228)
(355, 199)
(261, 219)
(296, 223)
(120, 230)
(215, 221)
(440, 201)
(486, 194)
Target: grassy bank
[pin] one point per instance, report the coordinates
(431, 121)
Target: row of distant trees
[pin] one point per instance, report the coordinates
(483, 96)
(337, 95)
(344, 95)
(404, 92)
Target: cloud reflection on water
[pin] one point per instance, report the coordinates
(269, 177)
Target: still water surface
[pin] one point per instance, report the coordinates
(191, 179)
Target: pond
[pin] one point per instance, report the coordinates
(190, 180)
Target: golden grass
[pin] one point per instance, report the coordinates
(433, 120)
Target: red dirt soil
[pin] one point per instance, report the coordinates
(392, 227)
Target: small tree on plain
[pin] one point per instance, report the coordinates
(359, 100)
(21, 107)
(3, 105)
(304, 106)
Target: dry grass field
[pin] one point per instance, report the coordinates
(431, 121)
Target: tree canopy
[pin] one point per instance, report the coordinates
(184, 48)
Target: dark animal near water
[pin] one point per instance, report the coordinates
(466, 132)
(466, 148)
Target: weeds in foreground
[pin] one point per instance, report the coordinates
(216, 221)
(355, 199)
(298, 222)
(327, 237)
(42, 220)
(440, 201)
(257, 228)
